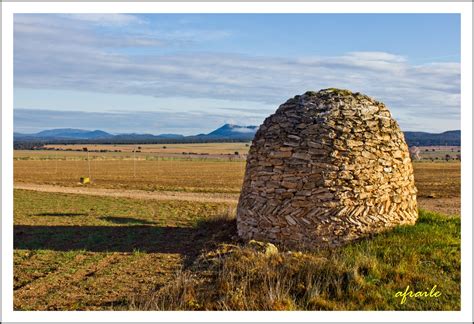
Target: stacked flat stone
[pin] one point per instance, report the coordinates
(326, 168)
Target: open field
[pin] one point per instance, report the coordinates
(159, 233)
(47, 155)
(84, 252)
(77, 252)
(175, 175)
(439, 152)
(438, 179)
(192, 175)
(198, 148)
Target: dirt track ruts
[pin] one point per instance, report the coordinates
(135, 194)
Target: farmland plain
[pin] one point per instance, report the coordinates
(97, 251)
(156, 171)
(196, 148)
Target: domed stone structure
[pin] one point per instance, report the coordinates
(326, 168)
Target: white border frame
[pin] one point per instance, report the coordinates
(9, 8)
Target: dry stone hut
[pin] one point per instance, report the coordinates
(326, 168)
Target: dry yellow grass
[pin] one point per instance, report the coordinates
(155, 172)
(173, 175)
(209, 148)
(365, 275)
(438, 179)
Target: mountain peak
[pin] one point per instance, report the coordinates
(231, 130)
(231, 126)
(227, 132)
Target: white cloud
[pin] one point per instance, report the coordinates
(77, 57)
(243, 130)
(377, 56)
(107, 19)
(31, 121)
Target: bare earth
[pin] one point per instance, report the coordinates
(449, 206)
(135, 194)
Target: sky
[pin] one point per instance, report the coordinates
(192, 73)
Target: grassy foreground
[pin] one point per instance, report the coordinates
(362, 276)
(76, 252)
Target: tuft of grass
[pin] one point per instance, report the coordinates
(342, 92)
(365, 275)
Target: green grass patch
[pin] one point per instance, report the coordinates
(365, 275)
(55, 209)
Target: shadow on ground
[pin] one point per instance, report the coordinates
(126, 220)
(187, 241)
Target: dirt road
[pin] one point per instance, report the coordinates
(443, 205)
(135, 194)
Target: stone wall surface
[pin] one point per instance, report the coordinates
(326, 168)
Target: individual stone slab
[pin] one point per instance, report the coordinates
(326, 168)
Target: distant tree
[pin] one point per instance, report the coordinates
(447, 157)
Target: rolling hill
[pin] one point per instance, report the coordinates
(225, 133)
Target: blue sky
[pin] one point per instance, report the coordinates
(191, 73)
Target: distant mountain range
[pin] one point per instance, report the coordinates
(67, 133)
(451, 138)
(226, 133)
